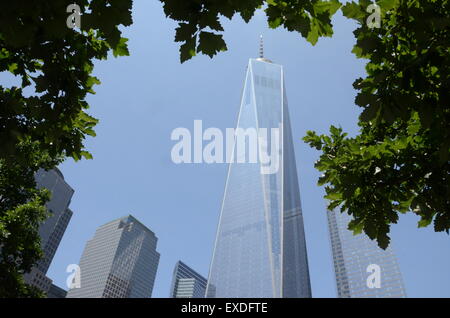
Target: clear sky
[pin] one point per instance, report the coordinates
(144, 97)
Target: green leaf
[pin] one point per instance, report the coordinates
(327, 6)
(92, 80)
(187, 50)
(383, 240)
(210, 20)
(387, 5)
(335, 131)
(86, 155)
(353, 10)
(12, 67)
(333, 196)
(355, 227)
(275, 23)
(424, 222)
(185, 32)
(41, 83)
(121, 49)
(369, 113)
(210, 43)
(313, 35)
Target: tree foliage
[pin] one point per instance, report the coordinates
(22, 211)
(56, 64)
(399, 161)
(199, 27)
(43, 119)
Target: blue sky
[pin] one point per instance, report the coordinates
(144, 97)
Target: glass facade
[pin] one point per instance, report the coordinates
(354, 257)
(260, 248)
(187, 283)
(119, 262)
(56, 292)
(52, 229)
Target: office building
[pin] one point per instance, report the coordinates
(120, 261)
(362, 268)
(56, 292)
(52, 229)
(187, 283)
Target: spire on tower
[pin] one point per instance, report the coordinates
(261, 47)
(261, 51)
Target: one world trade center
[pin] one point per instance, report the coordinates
(260, 248)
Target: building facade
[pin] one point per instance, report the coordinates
(187, 283)
(260, 247)
(362, 269)
(120, 261)
(52, 229)
(56, 292)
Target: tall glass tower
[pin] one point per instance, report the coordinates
(356, 258)
(52, 229)
(120, 261)
(260, 248)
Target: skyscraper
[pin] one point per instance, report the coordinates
(357, 258)
(56, 292)
(260, 248)
(120, 261)
(52, 229)
(187, 283)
